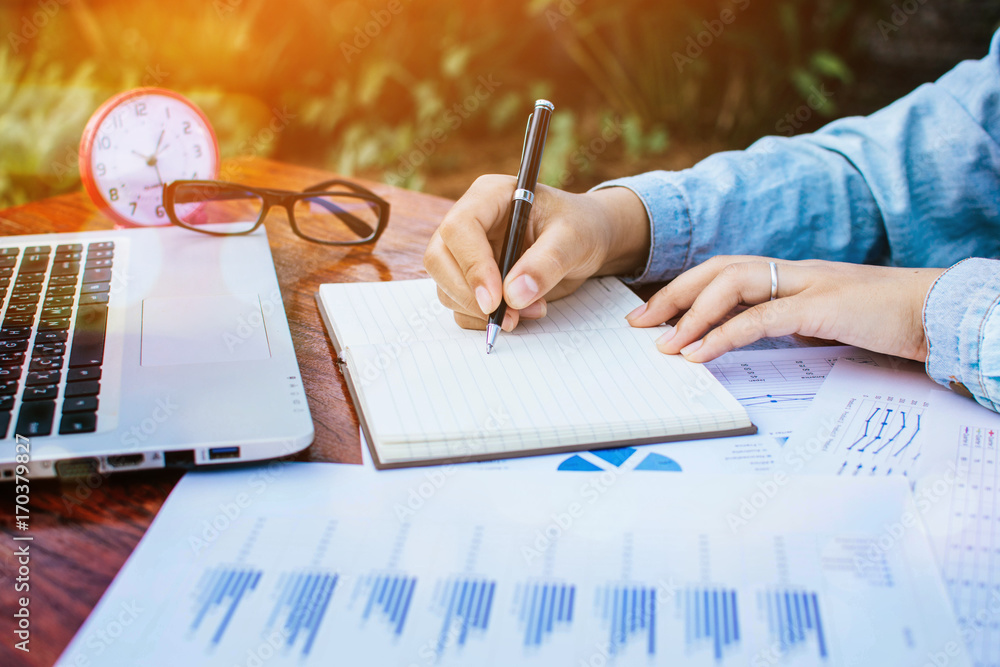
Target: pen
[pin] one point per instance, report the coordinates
(520, 204)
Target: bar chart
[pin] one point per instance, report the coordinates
(629, 615)
(465, 605)
(711, 620)
(544, 609)
(389, 598)
(302, 602)
(794, 619)
(220, 592)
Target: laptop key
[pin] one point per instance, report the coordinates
(12, 358)
(15, 333)
(35, 418)
(45, 364)
(6, 403)
(43, 392)
(44, 377)
(103, 245)
(66, 268)
(79, 404)
(94, 288)
(86, 299)
(5, 420)
(38, 250)
(15, 321)
(96, 276)
(48, 350)
(78, 422)
(62, 280)
(88, 373)
(88, 336)
(57, 301)
(56, 313)
(22, 309)
(13, 346)
(54, 325)
(100, 254)
(88, 388)
(4, 252)
(34, 264)
(99, 263)
(61, 290)
(24, 298)
(8, 261)
(69, 256)
(51, 337)
(8, 387)
(10, 372)
(69, 247)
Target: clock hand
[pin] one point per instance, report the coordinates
(158, 142)
(158, 177)
(144, 157)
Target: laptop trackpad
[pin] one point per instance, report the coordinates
(203, 330)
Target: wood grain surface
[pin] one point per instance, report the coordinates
(84, 530)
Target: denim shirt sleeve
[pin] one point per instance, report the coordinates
(914, 184)
(962, 325)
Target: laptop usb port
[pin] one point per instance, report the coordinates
(216, 453)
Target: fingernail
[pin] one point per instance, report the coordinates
(636, 313)
(667, 335)
(692, 348)
(535, 311)
(522, 291)
(508, 322)
(483, 299)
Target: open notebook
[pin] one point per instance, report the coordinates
(581, 378)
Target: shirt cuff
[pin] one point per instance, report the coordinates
(669, 223)
(962, 325)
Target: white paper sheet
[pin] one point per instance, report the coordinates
(876, 422)
(302, 564)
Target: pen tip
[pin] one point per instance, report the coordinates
(489, 348)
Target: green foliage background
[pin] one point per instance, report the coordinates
(363, 87)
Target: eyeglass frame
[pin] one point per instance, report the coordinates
(271, 197)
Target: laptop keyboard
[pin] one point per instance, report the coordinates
(55, 301)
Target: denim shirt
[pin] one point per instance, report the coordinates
(915, 184)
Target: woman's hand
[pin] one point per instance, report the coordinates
(874, 307)
(569, 238)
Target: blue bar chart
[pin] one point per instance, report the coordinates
(302, 602)
(794, 619)
(629, 613)
(465, 604)
(389, 598)
(221, 590)
(711, 620)
(545, 608)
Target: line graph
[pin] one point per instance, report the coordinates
(880, 436)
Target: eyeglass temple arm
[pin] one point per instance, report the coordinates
(358, 226)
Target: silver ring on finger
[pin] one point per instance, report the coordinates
(774, 280)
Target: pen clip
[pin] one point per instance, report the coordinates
(524, 146)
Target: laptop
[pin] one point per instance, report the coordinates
(144, 348)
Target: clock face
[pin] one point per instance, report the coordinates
(135, 144)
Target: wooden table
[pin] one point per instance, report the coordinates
(83, 535)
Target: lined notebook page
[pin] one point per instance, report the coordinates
(404, 311)
(436, 398)
(581, 375)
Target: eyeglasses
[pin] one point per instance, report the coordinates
(332, 212)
